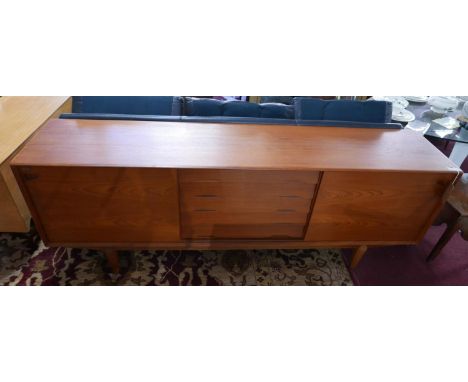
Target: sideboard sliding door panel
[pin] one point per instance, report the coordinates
(243, 204)
(372, 206)
(104, 205)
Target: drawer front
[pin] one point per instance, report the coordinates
(247, 191)
(258, 203)
(213, 217)
(235, 204)
(243, 176)
(244, 231)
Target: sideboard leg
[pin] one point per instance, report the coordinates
(358, 254)
(112, 257)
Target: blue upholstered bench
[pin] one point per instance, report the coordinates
(305, 111)
(201, 107)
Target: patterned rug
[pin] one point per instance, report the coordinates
(24, 260)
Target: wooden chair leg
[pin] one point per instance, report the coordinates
(452, 227)
(112, 257)
(358, 254)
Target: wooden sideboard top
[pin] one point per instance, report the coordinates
(229, 146)
(22, 116)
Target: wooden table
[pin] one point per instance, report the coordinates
(20, 117)
(176, 185)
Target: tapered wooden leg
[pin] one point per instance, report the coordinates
(112, 257)
(452, 227)
(358, 254)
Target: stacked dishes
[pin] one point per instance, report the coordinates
(443, 104)
(417, 99)
(399, 105)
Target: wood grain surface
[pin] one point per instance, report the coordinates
(240, 204)
(230, 146)
(22, 116)
(103, 204)
(376, 206)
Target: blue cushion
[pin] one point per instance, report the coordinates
(276, 110)
(240, 109)
(306, 108)
(343, 110)
(128, 105)
(210, 108)
(203, 107)
(358, 111)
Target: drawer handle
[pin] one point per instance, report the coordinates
(206, 196)
(204, 210)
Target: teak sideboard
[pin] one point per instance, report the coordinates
(177, 185)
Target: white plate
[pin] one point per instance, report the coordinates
(398, 100)
(443, 104)
(418, 126)
(403, 115)
(418, 99)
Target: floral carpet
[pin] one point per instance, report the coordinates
(24, 260)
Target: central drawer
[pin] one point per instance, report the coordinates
(240, 204)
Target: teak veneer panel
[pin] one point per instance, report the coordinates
(95, 205)
(304, 178)
(244, 231)
(245, 204)
(247, 190)
(258, 202)
(376, 206)
(245, 216)
(230, 146)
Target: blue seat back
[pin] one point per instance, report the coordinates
(202, 107)
(128, 105)
(343, 110)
